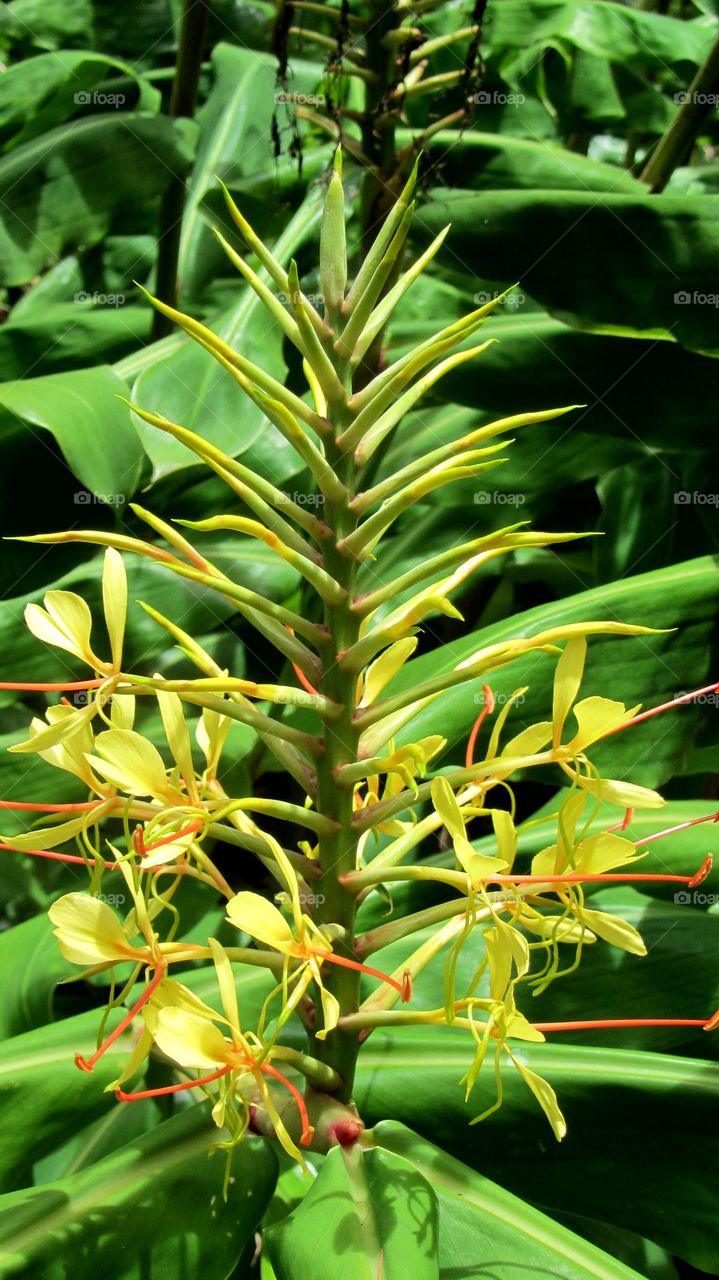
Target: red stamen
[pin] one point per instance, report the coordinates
(579, 877)
(89, 1063)
(56, 857)
(682, 826)
(51, 688)
(157, 844)
(170, 1088)
(621, 826)
(299, 672)
(307, 1129)
(401, 987)
(27, 806)
(487, 709)
(665, 706)
(601, 1023)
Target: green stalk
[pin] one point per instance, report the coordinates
(338, 851)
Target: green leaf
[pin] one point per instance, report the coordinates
(43, 91)
(637, 266)
(613, 1166)
(65, 188)
(92, 428)
(44, 1097)
(32, 966)
(154, 1208)
(485, 1229)
(234, 124)
(371, 1212)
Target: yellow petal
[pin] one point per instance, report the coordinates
(384, 668)
(191, 1041)
(226, 983)
(505, 834)
(65, 622)
(114, 600)
(88, 931)
(445, 803)
(129, 762)
(597, 717)
(262, 920)
(529, 741)
(567, 679)
(546, 1097)
(615, 931)
(627, 795)
(178, 738)
(330, 1012)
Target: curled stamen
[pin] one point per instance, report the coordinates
(487, 710)
(89, 1063)
(170, 1088)
(702, 873)
(404, 988)
(307, 1129)
(56, 857)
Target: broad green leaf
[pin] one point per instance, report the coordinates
(92, 428)
(372, 1213)
(153, 1208)
(484, 1228)
(44, 1097)
(66, 187)
(615, 1163)
(31, 967)
(623, 264)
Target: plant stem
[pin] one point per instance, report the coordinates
(182, 103)
(676, 143)
(338, 850)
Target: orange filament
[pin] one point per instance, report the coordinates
(307, 1130)
(404, 987)
(579, 877)
(682, 826)
(621, 826)
(300, 673)
(138, 837)
(51, 688)
(26, 805)
(171, 1088)
(665, 706)
(487, 710)
(600, 1024)
(56, 857)
(89, 1063)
